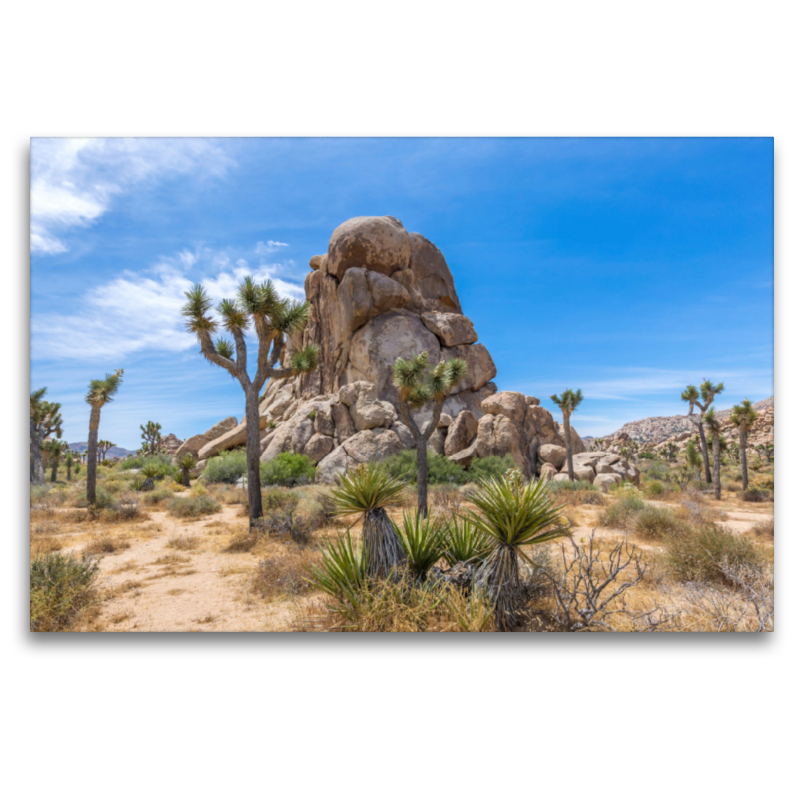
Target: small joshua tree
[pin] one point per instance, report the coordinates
(100, 392)
(708, 391)
(187, 463)
(69, 463)
(273, 318)
(151, 438)
(694, 459)
(714, 427)
(417, 387)
(54, 448)
(743, 417)
(45, 421)
(103, 446)
(568, 402)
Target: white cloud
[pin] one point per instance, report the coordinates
(74, 181)
(270, 247)
(139, 312)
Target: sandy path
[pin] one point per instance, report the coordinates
(155, 587)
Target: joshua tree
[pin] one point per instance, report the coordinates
(766, 449)
(150, 472)
(568, 402)
(187, 463)
(743, 417)
(273, 319)
(708, 391)
(417, 386)
(103, 446)
(45, 421)
(672, 451)
(694, 459)
(512, 514)
(151, 438)
(69, 463)
(369, 489)
(100, 392)
(54, 448)
(714, 427)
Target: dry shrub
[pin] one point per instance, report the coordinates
(172, 558)
(42, 545)
(183, 543)
(193, 506)
(158, 497)
(63, 593)
(104, 545)
(653, 522)
(284, 574)
(695, 554)
(243, 541)
(45, 528)
(765, 528)
(755, 496)
(229, 495)
(621, 513)
(291, 515)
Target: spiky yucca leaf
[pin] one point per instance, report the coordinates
(514, 517)
(306, 360)
(408, 374)
(257, 298)
(187, 461)
(422, 539)
(103, 391)
(225, 348)
(234, 317)
(288, 317)
(367, 487)
(341, 574)
(464, 542)
(196, 309)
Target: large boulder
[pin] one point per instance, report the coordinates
(547, 472)
(553, 454)
(460, 433)
(373, 445)
(381, 244)
(497, 436)
(605, 481)
(195, 443)
(318, 446)
(334, 464)
(507, 404)
(450, 329)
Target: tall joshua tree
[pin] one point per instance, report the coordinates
(417, 387)
(694, 459)
(100, 392)
(103, 446)
(45, 421)
(273, 318)
(568, 402)
(54, 448)
(714, 426)
(151, 437)
(743, 417)
(708, 391)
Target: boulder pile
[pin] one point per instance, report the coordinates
(379, 293)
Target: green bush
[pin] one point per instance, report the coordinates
(698, 554)
(442, 470)
(38, 492)
(287, 469)
(653, 488)
(227, 467)
(157, 496)
(193, 506)
(490, 467)
(62, 590)
(137, 462)
(621, 512)
(654, 522)
(103, 499)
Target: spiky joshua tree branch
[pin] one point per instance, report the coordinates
(273, 319)
(418, 385)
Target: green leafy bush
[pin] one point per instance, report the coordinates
(654, 522)
(193, 506)
(442, 470)
(62, 591)
(653, 488)
(482, 469)
(103, 499)
(287, 469)
(227, 467)
(621, 512)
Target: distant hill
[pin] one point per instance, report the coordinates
(657, 429)
(114, 452)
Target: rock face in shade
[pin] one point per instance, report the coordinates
(380, 293)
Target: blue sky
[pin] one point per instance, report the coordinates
(625, 267)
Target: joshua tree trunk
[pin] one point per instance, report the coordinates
(91, 460)
(37, 468)
(499, 574)
(385, 552)
(253, 452)
(743, 458)
(704, 451)
(69, 473)
(568, 444)
(422, 476)
(54, 473)
(717, 485)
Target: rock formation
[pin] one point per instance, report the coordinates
(379, 293)
(169, 444)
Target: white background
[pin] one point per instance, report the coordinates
(380, 717)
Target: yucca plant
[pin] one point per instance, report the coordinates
(341, 574)
(513, 514)
(423, 541)
(369, 489)
(187, 463)
(463, 542)
(150, 472)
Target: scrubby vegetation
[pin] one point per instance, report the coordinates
(286, 469)
(403, 466)
(63, 591)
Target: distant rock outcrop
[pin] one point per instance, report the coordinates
(169, 444)
(377, 294)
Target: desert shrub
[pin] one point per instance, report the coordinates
(137, 462)
(125, 508)
(653, 522)
(226, 467)
(62, 591)
(446, 497)
(287, 469)
(403, 466)
(103, 545)
(283, 575)
(283, 519)
(463, 542)
(764, 482)
(38, 493)
(482, 469)
(755, 496)
(193, 506)
(621, 512)
(116, 485)
(766, 528)
(653, 488)
(103, 498)
(704, 553)
(229, 496)
(576, 492)
(157, 496)
(242, 541)
(279, 499)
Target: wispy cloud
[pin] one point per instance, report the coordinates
(139, 312)
(74, 181)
